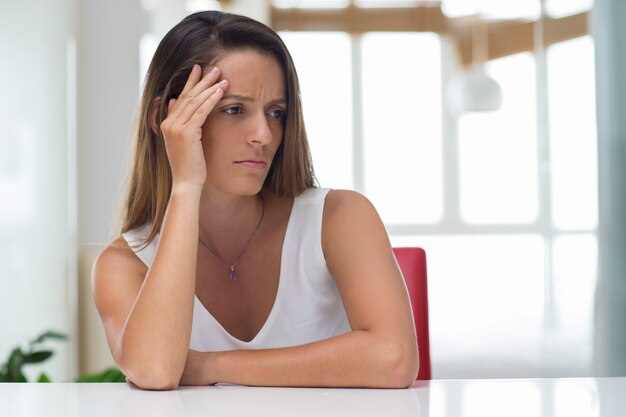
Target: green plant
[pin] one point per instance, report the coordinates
(111, 374)
(11, 370)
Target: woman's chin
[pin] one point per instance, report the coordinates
(242, 187)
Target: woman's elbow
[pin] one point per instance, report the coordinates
(404, 376)
(154, 382)
(401, 368)
(151, 377)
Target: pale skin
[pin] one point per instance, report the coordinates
(221, 135)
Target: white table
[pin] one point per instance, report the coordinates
(589, 397)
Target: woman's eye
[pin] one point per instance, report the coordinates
(277, 113)
(233, 110)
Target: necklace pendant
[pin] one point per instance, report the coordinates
(231, 274)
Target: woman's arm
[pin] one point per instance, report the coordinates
(148, 320)
(381, 349)
(147, 315)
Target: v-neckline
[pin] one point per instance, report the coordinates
(270, 316)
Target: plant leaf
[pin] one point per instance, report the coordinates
(114, 375)
(43, 377)
(14, 364)
(50, 334)
(36, 357)
(108, 375)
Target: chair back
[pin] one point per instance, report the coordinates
(412, 262)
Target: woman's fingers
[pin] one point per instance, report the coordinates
(192, 80)
(200, 114)
(194, 95)
(198, 102)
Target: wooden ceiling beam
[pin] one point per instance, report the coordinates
(357, 20)
(506, 37)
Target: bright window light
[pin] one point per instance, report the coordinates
(192, 6)
(497, 9)
(498, 150)
(311, 4)
(575, 262)
(560, 8)
(402, 125)
(573, 138)
(324, 70)
(389, 3)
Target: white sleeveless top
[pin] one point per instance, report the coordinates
(308, 305)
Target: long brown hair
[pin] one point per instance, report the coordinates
(203, 38)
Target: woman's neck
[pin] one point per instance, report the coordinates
(227, 221)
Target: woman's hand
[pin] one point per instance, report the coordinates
(182, 128)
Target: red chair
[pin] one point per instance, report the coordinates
(412, 262)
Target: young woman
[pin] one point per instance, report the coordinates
(232, 265)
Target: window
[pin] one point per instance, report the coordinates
(504, 202)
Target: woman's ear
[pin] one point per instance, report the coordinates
(154, 113)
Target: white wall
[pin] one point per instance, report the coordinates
(107, 94)
(37, 273)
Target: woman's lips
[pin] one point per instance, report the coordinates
(252, 164)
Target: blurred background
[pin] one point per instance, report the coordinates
(490, 133)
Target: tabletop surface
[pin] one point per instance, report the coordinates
(567, 397)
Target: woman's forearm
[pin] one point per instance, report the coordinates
(355, 359)
(155, 338)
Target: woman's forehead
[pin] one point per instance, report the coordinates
(251, 72)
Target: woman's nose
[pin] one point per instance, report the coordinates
(260, 131)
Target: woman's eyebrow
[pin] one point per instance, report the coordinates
(237, 97)
(241, 97)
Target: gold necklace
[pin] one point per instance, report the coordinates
(232, 275)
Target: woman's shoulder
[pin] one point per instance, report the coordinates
(352, 231)
(129, 243)
(117, 256)
(334, 199)
(342, 203)
(348, 214)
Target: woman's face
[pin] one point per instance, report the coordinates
(243, 132)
